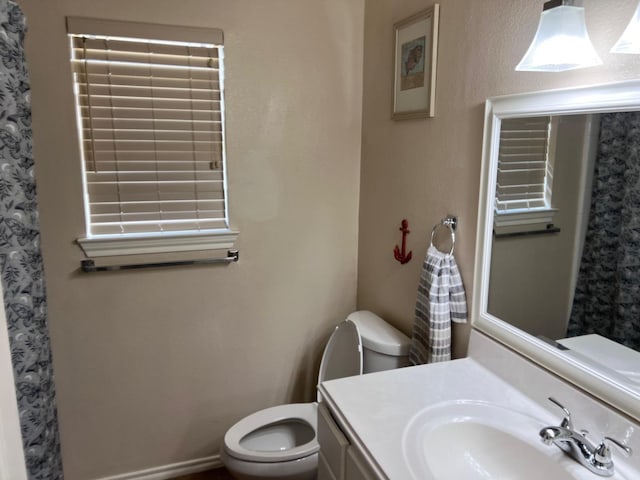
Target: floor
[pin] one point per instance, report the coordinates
(218, 474)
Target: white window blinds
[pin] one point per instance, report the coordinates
(151, 117)
(525, 168)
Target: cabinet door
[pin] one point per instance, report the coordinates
(357, 468)
(324, 471)
(333, 443)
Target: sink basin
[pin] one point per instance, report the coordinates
(474, 440)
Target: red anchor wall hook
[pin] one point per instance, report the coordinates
(401, 255)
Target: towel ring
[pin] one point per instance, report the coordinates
(450, 223)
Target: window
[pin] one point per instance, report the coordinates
(150, 112)
(525, 175)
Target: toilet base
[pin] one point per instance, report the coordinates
(305, 468)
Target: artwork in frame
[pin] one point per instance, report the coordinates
(415, 58)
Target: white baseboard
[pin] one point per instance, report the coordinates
(173, 470)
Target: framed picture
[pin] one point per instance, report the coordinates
(415, 57)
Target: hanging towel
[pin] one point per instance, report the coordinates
(441, 300)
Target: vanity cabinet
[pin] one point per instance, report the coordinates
(356, 468)
(338, 458)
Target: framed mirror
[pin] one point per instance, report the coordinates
(540, 211)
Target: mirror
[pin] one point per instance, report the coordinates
(528, 263)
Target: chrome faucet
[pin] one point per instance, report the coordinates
(596, 458)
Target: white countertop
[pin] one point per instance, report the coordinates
(618, 361)
(375, 409)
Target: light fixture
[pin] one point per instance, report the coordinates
(629, 42)
(561, 42)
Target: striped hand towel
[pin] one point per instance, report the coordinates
(441, 300)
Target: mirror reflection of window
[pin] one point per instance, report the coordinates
(524, 183)
(533, 272)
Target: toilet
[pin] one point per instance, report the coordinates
(281, 442)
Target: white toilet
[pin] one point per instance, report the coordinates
(281, 442)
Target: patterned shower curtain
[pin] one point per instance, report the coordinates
(607, 298)
(21, 260)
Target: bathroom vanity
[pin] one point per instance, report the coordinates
(339, 458)
(488, 416)
(473, 418)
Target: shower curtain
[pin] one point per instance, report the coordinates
(20, 258)
(607, 298)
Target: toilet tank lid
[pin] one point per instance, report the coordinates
(378, 335)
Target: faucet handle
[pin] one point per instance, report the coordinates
(603, 452)
(566, 421)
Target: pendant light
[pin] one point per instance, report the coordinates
(629, 42)
(561, 42)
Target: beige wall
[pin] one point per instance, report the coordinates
(153, 366)
(423, 169)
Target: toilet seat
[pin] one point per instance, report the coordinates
(305, 413)
(282, 442)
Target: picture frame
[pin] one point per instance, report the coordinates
(415, 46)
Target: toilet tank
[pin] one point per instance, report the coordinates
(384, 347)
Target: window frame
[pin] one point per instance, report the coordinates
(130, 243)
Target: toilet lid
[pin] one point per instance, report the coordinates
(342, 356)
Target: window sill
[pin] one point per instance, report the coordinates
(523, 222)
(111, 245)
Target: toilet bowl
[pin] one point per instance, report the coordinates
(281, 442)
(277, 442)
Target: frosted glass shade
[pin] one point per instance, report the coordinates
(629, 42)
(561, 42)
